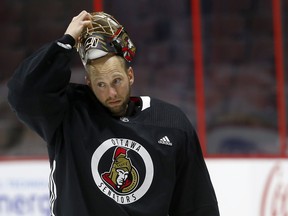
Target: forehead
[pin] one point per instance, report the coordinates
(106, 66)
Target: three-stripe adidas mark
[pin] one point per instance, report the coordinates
(165, 141)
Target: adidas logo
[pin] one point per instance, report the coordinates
(165, 141)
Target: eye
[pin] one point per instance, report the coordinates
(101, 84)
(117, 81)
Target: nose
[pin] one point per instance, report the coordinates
(112, 92)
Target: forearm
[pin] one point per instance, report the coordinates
(37, 88)
(44, 72)
(47, 71)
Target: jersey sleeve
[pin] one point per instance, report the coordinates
(194, 193)
(37, 89)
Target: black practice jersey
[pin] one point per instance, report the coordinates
(148, 163)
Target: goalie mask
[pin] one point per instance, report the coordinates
(106, 36)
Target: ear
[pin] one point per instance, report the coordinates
(130, 75)
(88, 82)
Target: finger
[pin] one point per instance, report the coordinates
(83, 12)
(88, 23)
(84, 15)
(81, 15)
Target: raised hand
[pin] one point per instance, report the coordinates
(78, 23)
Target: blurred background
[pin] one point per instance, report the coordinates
(244, 95)
(222, 62)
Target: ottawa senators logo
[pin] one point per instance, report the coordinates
(122, 177)
(122, 169)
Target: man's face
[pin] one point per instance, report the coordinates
(122, 176)
(111, 83)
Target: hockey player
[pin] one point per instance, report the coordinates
(110, 153)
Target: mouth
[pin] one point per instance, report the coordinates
(114, 102)
(116, 106)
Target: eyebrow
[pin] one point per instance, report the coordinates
(115, 75)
